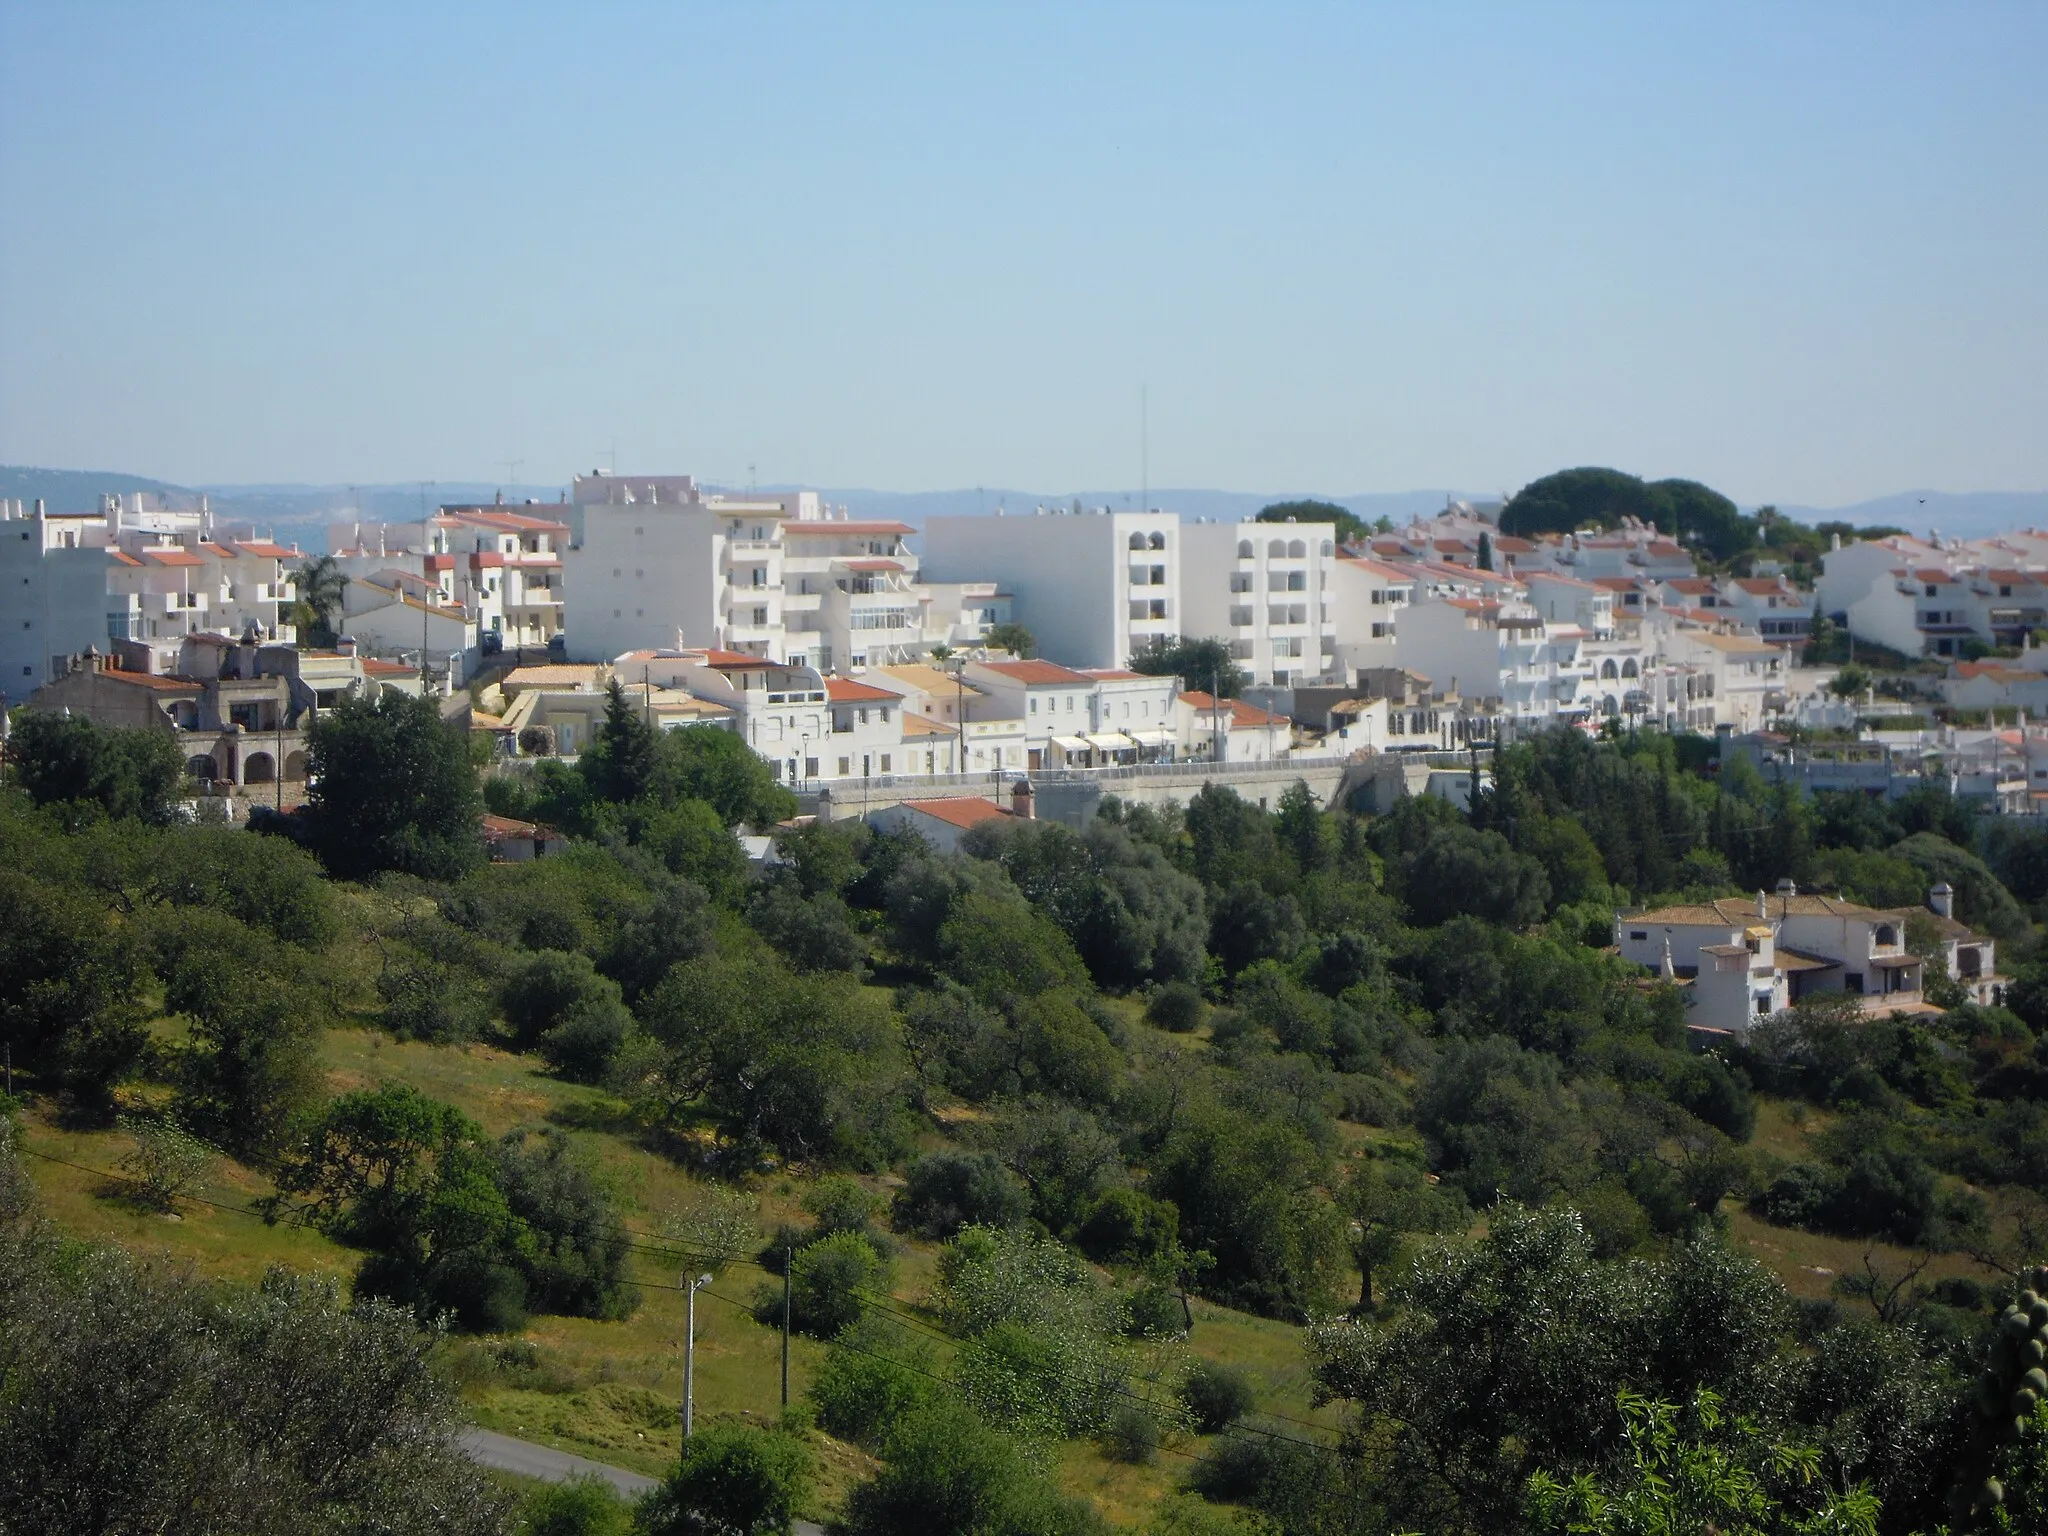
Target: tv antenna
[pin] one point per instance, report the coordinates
(512, 468)
(1144, 448)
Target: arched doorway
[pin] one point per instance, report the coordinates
(259, 768)
(295, 768)
(202, 767)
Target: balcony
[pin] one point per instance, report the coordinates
(175, 602)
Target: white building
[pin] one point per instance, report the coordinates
(773, 575)
(1054, 705)
(53, 595)
(1094, 588)
(1230, 730)
(1266, 588)
(1367, 598)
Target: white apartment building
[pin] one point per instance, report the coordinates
(1770, 605)
(1264, 587)
(770, 574)
(1094, 588)
(1136, 707)
(1486, 652)
(1367, 597)
(53, 596)
(134, 570)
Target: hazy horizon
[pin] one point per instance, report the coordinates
(1793, 253)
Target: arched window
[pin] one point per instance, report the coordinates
(1137, 541)
(202, 767)
(1297, 549)
(1244, 549)
(1607, 668)
(1885, 936)
(1329, 548)
(1277, 550)
(1628, 668)
(1157, 541)
(259, 768)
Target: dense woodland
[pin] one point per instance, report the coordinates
(1376, 1076)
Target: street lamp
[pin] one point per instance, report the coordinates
(804, 762)
(690, 1348)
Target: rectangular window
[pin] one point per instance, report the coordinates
(845, 767)
(1034, 706)
(885, 762)
(810, 767)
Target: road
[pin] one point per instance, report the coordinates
(553, 1466)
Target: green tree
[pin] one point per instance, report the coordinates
(1349, 528)
(70, 990)
(71, 761)
(1485, 558)
(582, 1506)
(1204, 665)
(141, 1399)
(1014, 638)
(1386, 1202)
(620, 763)
(702, 762)
(948, 1474)
(733, 1480)
(321, 584)
(392, 789)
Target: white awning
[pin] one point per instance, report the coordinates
(1152, 738)
(1110, 741)
(1074, 746)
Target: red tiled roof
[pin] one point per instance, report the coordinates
(153, 680)
(511, 522)
(1760, 584)
(495, 827)
(1111, 674)
(736, 659)
(824, 526)
(124, 557)
(1035, 674)
(376, 667)
(844, 690)
(966, 811)
(1243, 716)
(1692, 584)
(171, 557)
(1508, 544)
(264, 549)
(1934, 578)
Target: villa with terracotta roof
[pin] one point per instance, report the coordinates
(1742, 959)
(942, 823)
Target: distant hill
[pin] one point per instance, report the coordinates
(65, 491)
(301, 513)
(1955, 514)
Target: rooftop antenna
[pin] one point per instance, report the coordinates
(512, 468)
(612, 453)
(752, 484)
(1144, 447)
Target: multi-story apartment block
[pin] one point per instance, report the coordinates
(1367, 597)
(53, 595)
(766, 574)
(1265, 587)
(1095, 588)
(1770, 605)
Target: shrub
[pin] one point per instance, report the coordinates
(583, 1506)
(1132, 1434)
(166, 1162)
(585, 1045)
(732, 1481)
(1154, 1312)
(1217, 1396)
(1125, 1227)
(827, 1283)
(873, 1377)
(948, 1473)
(1177, 1007)
(946, 1191)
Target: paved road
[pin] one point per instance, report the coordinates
(553, 1466)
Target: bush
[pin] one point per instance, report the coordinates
(166, 1161)
(1125, 1227)
(1132, 1435)
(948, 1474)
(1177, 1007)
(873, 1377)
(585, 1046)
(1154, 1312)
(826, 1285)
(1217, 1396)
(732, 1481)
(583, 1506)
(946, 1191)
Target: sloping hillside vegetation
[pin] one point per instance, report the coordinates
(1226, 1168)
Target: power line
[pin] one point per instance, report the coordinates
(649, 1250)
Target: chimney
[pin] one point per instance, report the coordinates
(1941, 901)
(1023, 801)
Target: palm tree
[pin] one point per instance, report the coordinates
(318, 612)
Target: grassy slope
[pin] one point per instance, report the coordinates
(610, 1390)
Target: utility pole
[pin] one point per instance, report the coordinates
(788, 1263)
(690, 1348)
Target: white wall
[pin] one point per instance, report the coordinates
(52, 603)
(1211, 559)
(643, 575)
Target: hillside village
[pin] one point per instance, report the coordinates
(1096, 993)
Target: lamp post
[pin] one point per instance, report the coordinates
(804, 762)
(690, 1348)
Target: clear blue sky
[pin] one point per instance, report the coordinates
(1797, 251)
